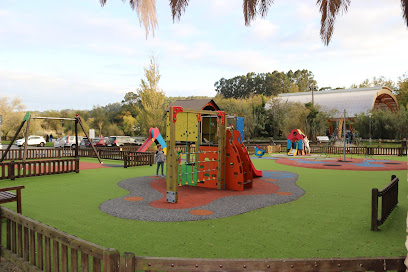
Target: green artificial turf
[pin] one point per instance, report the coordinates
(331, 220)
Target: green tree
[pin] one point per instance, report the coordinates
(151, 110)
(100, 119)
(12, 115)
(129, 124)
(402, 92)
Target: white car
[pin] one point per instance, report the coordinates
(67, 141)
(32, 140)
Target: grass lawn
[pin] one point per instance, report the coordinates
(331, 220)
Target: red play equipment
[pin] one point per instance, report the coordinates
(154, 136)
(296, 142)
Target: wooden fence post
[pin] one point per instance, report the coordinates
(77, 164)
(374, 209)
(11, 170)
(111, 260)
(125, 160)
(127, 262)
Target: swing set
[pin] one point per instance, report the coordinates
(213, 157)
(27, 119)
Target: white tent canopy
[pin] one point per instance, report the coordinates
(354, 101)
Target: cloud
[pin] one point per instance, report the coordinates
(264, 29)
(183, 30)
(41, 91)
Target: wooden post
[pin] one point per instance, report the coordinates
(374, 209)
(172, 163)
(11, 170)
(221, 149)
(26, 140)
(77, 165)
(19, 210)
(86, 134)
(111, 260)
(125, 160)
(12, 141)
(76, 138)
(127, 262)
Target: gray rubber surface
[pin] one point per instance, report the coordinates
(222, 207)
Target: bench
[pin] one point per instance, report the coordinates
(7, 196)
(323, 139)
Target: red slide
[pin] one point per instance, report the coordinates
(256, 173)
(147, 143)
(244, 154)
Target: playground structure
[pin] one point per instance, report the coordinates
(215, 157)
(27, 119)
(297, 142)
(154, 136)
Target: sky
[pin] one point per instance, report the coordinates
(76, 54)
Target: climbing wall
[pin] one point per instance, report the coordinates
(234, 174)
(208, 167)
(187, 127)
(245, 159)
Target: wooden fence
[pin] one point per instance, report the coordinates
(37, 247)
(395, 151)
(388, 202)
(38, 153)
(12, 170)
(138, 159)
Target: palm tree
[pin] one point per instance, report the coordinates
(146, 10)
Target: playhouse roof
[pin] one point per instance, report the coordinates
(196, 104)
(354, 101)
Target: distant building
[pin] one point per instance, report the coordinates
(354, 101)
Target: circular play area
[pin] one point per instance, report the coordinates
(354, 164)
(147, 200)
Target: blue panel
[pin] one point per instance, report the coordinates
(300, 145)
(289, 145)
(240, 126)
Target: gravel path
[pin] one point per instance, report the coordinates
(220, 208)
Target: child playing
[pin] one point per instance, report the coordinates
(159, 158)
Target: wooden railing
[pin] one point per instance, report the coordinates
(19, 169)
(38, 153)
(336, 264)
(395, 151)
(389, 201)
(138, 159)
(34, 246)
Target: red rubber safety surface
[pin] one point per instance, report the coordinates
(90, 165)
(193, 196)
(199, 203)
(355, 164)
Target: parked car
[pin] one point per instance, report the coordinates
(99, 141)
(67, 141)
(119, 141)
(32, 140)
(84, 142)
(95, 141)
(139, 140)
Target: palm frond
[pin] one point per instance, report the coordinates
(177, 8)
(404, 5)
(254, 7)
(146, 11)
(329, 10)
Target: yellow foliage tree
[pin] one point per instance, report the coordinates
(152, 98)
